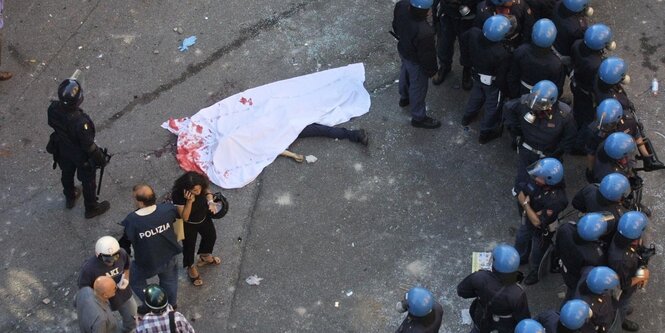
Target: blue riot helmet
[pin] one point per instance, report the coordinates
(422, 4)
(632, 224)
(598, 37)
(543, 95)
(613, 71)
(549, 169)
(574, 314)
(608, 114)
(420, 301)
(614, 187)
(529, 326)
(505, 259)
(619, 145)
(591, 226)
(578, 6)
(500, 2)
(602, 279)
(496, 28)
(543, 33)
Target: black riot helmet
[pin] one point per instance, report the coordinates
(155, 298)
(70, 93)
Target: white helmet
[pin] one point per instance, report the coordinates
(106, 245)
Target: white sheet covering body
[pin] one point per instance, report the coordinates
(234, 139)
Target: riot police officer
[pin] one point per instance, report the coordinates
(541, 199)
(425, 313)
(517, 11)
(615, 154)
(74, 148)
(624, 259)
(416, 49)
(490, 61)
(570, 18)
(572, 317)
(595, 288)
(586, 56)
(529, 326)
(578, 245)
(499, 301)
(540, 125)
(608, 196)
(535, 61)
(455, 18)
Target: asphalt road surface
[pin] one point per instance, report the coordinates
(336, 242)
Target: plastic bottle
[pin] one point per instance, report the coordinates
(654, 87)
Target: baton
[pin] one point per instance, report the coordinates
(101, 171)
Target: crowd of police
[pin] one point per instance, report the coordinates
(516, 56)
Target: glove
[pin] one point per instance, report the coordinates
(98, 158)
(401, 306)
(123, 283)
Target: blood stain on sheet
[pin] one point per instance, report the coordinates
(245, 101)
(173, 125)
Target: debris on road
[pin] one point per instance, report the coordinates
(186, 43)
(311, 158)
(46, 301)
(253, 280)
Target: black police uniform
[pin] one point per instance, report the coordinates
(603, 306)
(500, 302)
(602, 91)
(489, 59)
(590, 200)
(531, 242)
(550, 135)
(585, 64)
(570, 27)
(75, 140)
(519, 15)
(550, 321)
(532, 64)
(574, 254)
(541, 8)
(452, 24)
(417, 51)
(624, 260)
(427, 324)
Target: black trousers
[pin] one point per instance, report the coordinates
(85, 174)
(314, 130)
(208, 237)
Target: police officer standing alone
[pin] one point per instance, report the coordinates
(425, 313)
(74, 149)
(416, 49)
(500, 302)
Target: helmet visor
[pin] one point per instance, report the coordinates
(539, 104)
(110, 259)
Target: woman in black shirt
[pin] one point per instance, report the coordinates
(194, 200)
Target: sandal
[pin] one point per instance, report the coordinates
(204, 262)
(195, 280)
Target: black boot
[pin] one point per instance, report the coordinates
(427, 122)
(441, 75)
(651, 163)
(361, 137)
(97, 209)
(630, 326)
(488, 136)
(531, 278)
(467, 82)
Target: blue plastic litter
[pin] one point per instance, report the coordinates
(186, 43)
